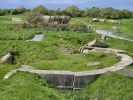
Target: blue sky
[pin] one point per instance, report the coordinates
(54, 4)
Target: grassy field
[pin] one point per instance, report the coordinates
(8, 18)
(126, 26)
(54, 52)
(57, 49)
(78, 62)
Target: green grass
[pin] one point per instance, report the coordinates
(126, 26)
(46, 55)
(97, 25)
(25, 86)
(6, 68)
(10, 30)
(109, 86)
(130, 67)
(16, 35)
(121, 44)
(8, 18)
(78, 62)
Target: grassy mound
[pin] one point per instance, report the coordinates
(78, 62)
(110, 86)
(24, 86)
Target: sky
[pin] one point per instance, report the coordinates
(55, 4)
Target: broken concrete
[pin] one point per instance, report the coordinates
(8, 58)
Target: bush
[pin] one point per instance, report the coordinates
(60, 27)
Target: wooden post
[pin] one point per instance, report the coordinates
(97, 95)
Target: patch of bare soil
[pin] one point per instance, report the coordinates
(66, 49)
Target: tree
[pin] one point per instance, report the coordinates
(4, 11)
(92, 12)
(21, 9)
(106, 12)
(72, 11)
(40, 9)
(34, 19)
(127, 13)
(13, 12)
(58, 12)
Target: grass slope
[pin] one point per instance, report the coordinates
(25, 86)
(109, 86)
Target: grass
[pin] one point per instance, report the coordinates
(16, 35)
(6, 68)
(13, 33)
(109, 86)
(8, 18)
(47, 55)
(130, 67)
(25, 86)
(126, 26)
(78, 62)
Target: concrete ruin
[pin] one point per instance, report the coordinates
(92, 44)
(15, 19)
(114, 21)
(56, 19)
(8, 58)
(98, 20)
(76, 80)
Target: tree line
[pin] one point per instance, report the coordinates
(74, 11)
(15, 11)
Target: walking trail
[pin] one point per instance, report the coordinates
(110, 34)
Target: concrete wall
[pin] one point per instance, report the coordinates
(82, 81)
(69, 81)
(59, 79)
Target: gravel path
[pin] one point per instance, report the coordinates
(107, 33)
(110, 34)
